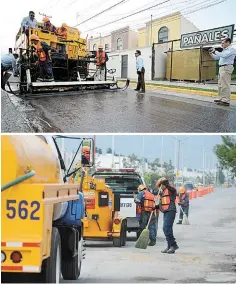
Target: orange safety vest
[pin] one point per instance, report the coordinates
(165, 200)
(61, 33)
(40, 52)
(100, 58)
(149, 201)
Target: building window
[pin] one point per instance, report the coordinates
(163, 34)
(119, 44)
(106, 47)
(94, 47)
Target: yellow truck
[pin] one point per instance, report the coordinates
(101, 219)
(41, 213)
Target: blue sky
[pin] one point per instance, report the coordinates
(192, 147)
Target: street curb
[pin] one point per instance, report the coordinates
(185, 91)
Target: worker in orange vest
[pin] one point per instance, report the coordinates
(167, 207)
(101, 60)
(62, 31)
(146, 201)
(44, 60)
(183, 203)
(47, 26)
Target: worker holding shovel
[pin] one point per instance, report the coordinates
(146, 200)
(167, 207)
(183, 203)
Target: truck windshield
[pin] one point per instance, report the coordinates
(189, 186)
(126, 185)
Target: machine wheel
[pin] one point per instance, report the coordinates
(51, 270)
(71, 267)
(124, 233)
(117, 242)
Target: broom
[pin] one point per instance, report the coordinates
(143, 239)
(185, 218)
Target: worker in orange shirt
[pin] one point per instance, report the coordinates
(47, 26)
(101, 60)
(62, 31)
(44, 59)
(183, 203)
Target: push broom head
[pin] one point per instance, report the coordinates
(143, 240)
(185, 220)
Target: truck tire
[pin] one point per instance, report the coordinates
(71, 267)
(51, 270)
(124, 233)
(117, 242)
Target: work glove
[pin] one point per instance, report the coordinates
(212, 50)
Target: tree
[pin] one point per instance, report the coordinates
(226, 153)
(125, 163)
(109, 151)
(151, 178)
(96, 150)
(221, 176)
(209, 178)
(155, 164)
(133, 159)
(100, 151)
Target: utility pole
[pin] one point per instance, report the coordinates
(143, 157)
(182, 163)
(151, 29)
(113, 151)
(162, 143)
(203, 166)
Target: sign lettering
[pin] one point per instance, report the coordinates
(208, 37)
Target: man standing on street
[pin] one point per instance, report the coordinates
(146, 200)
(101, 60)
(140, 71)
(167, 207)
(226, 68)
(183, 203)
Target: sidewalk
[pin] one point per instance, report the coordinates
(208, 89)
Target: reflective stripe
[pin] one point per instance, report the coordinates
(19, 244)
(22, 268)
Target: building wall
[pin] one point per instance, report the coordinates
(133, 39)
(100, 40)
(123, 34)
(172, 22)
(115, 62)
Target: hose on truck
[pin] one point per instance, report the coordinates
(18, 180)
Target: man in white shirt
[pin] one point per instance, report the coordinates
(140, 71)
(29, 22)
(226, 64)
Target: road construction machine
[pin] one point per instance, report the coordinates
(71, 61)
(42, 213)
(102, 219)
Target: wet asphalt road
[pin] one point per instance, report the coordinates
(156, 111)
(120, 112)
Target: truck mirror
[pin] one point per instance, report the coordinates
(86, 153)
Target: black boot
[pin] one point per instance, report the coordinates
(152, 243)
(179, 223)
(173, 248)
(165, 250)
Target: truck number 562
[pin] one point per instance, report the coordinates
(22, 209)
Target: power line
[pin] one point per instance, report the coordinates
(128, 16)
(111, 7)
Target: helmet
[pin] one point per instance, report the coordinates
(46, 19)
(141, 187)
(33, 37)
(100, 47)
(161, 181)
(182, 189)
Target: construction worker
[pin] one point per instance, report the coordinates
(29, 22)
(183, 203)
(226, 68)
(146, 201)
(44, 60)
(62, 31)
(101, 59)
(140, 71)
(167, 207)
(47, 26)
